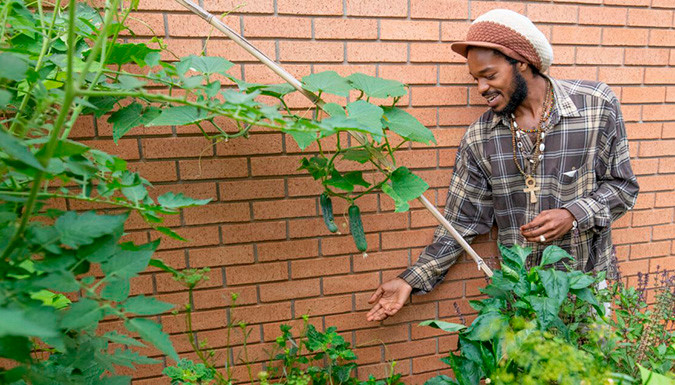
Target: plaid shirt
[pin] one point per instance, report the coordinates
(585, 169)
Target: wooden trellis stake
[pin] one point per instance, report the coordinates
(250, 48)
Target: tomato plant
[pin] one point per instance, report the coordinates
(60, 62)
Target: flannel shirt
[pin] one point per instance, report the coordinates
(585, 169)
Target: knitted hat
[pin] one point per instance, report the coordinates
(510, 33)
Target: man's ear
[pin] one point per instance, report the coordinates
(522, 67)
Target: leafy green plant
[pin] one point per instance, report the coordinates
(541, 295)
(639, 338)
(187, 372)
(312, 357)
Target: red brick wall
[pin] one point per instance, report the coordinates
(263, 237)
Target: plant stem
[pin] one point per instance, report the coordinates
(77, 197)
(53, 137)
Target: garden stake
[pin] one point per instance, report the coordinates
(250, 48)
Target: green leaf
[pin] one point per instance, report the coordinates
(152, 332)
(128, 263)
(303, 139)
(116, 337)
(128, 358)
(356, 154)
(377, 87)
(652, 378)
(407, 185)
(63, 281)
(161, 265)
(546, 310)
(347, 181)
(553, 254)
(579, 280)
(556, 284)
(445, 326)
(174, 201)
(401, 205)
(487, 326)
(327, 82)
(178, 116)
(207, 64)
(134, 186)
(81, 229)
(82, 314)
(367, 114)
(406, 126)
(131, 116)
(126, 53)
(16, 348)
(586, 294)
(441, 380)
(170, 233)
(16, 150)
(103, 104)
(334, 109)
(341, 123)
(12, 66)
(65, 148)
(15, 322)
(128, 82)
(515, 255)
(143, 305)
(57, 301)
(116, 289)
(316, 166)
(5, 98)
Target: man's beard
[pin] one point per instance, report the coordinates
(518, 93)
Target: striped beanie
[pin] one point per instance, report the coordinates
(510, 33)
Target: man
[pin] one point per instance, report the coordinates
(547, 163)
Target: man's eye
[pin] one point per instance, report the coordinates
(490, 77)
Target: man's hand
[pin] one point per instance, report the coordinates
(389, 298)
(552, 224)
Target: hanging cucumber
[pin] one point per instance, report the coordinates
(327, 212)
(356, 228)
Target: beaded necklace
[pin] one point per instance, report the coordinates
(535, 159)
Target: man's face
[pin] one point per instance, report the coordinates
(498, 81)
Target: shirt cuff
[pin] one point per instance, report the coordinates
(587, 213)
(419, 279)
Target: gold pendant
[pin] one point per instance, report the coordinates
(531, 188)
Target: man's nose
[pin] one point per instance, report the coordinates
(482, 86)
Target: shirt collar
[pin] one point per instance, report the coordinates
(563, 106)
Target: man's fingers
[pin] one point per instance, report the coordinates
(374, 309)
(376, 315)
(393, 309)
(376, 296)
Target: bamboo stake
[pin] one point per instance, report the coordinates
(250, 48)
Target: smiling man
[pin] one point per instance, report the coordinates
(547, 163)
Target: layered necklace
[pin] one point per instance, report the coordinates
(539, 131)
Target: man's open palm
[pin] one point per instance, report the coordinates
(388, 299)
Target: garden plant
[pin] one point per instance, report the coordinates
(548, 326)
(60, 62)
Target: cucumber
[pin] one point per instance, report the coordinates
(327, 212)
(356, 227)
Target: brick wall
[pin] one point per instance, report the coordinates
(263, 236)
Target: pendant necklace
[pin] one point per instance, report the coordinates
(540, 131)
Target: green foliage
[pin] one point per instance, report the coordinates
(539, 297)
(187, 372)
(534, 357)
(547, 326)
(638, 339)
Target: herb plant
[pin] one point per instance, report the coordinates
(540, 297)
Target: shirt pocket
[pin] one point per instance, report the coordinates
(570, 185)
